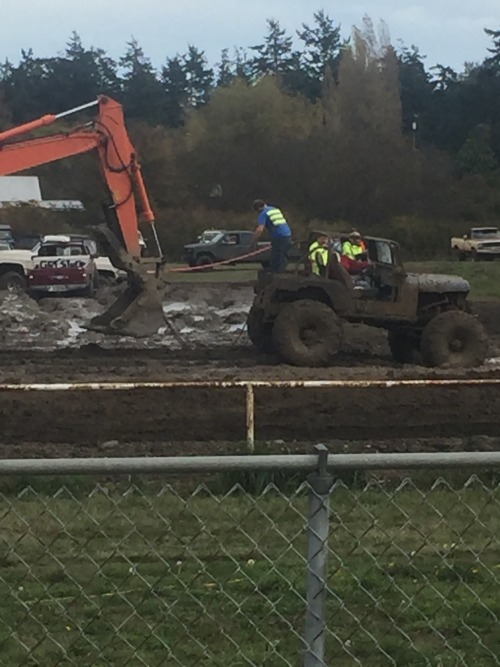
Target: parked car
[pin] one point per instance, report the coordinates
(219, 245)
(479, 244)
(6, 236)
(63, 266)
(26, 241)
(15, 263)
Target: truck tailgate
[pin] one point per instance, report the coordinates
(64, 276)
(59, 274)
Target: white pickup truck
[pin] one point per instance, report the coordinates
(480, 244)
(15, 265)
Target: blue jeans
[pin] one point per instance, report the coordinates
(279, 251)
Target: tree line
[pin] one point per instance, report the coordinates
(336, 131)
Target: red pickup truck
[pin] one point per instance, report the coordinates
(62, 266)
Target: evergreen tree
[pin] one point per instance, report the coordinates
(275, 55)
(143, 92)
(443, 77)
(243, 65)
(94, 71)
(5, 113)
(22, 87)
(187, 81)
(225, 70)
(174, 78)
(494, 59)
(416, 88)
(322, 50)
(199, 77)
(78, 76)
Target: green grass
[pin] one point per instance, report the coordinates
(154, 575)
(484, 277)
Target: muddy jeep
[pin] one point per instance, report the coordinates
(427, 316)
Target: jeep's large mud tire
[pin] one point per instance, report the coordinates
(405, 349)
(454, 339)
(307, 333)
(260, 332)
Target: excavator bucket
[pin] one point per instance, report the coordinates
(138, 310)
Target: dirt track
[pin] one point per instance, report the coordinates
(217, 349)
(291, 414)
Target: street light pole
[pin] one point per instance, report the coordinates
(414, 127)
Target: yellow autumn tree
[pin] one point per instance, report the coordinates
(366, 167)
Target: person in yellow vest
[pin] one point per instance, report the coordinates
(272, 219)
(354, 246)
(319, 256)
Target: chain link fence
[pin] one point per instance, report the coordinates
(275, 561)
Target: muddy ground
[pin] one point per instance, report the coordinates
(47, 342)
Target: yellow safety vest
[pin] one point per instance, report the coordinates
(351, 250)
(276, 217)
(318, 256)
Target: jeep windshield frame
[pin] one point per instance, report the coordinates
(384, 252)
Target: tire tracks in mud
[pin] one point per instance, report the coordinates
(94, 363)
(179, 414)
(213, 414)
(201, 415)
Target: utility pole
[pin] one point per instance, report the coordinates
(414, 127)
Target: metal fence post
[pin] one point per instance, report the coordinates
(250, 418)
(317, 546)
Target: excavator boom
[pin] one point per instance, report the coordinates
(138, 311)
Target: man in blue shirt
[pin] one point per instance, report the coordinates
(272, 219)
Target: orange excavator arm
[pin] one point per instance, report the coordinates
(107, 135)
(138, 310)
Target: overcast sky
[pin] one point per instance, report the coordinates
(449, 32)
